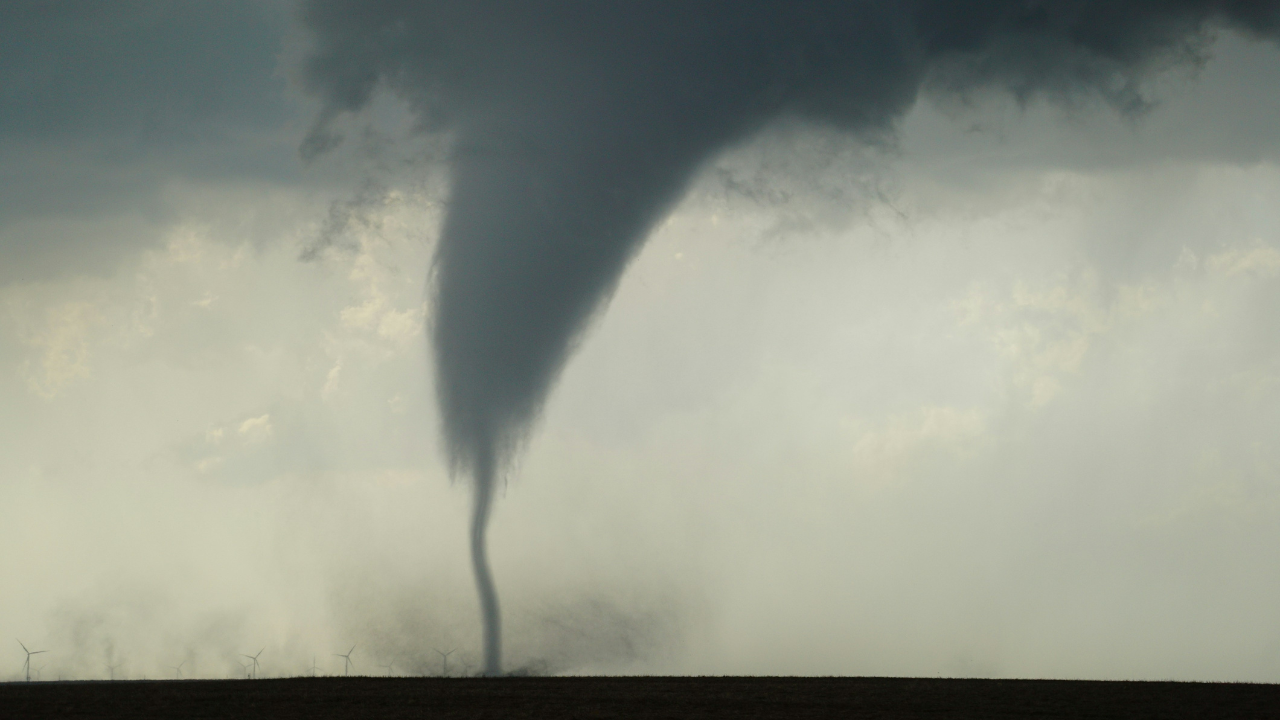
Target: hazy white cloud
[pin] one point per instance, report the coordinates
(61, 344)
(885, 454)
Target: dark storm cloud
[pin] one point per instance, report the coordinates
(146, 73)
(576, 125)
(101, 104)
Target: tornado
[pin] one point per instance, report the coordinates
(573, 126)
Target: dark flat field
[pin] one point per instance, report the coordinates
(631, 697)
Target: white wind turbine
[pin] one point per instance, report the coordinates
(26, 666)
(347, 663)
(254, 658)
(444, 661)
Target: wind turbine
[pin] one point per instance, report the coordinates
(444, 661)
(254, 658)
(38, 672)
(112, 669)
(313, 666)
(245, 667)
(388, 667)
(346, 666)
(26, 666)
(178, 669)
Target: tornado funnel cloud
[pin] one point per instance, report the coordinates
(518, 271)
(574, 125)
(490, 616)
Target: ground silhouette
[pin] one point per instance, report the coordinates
(651, 698)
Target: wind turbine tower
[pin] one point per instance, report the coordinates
(346, 665)
(254, 658)
(26, 666)
(444, 661)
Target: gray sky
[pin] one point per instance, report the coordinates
(994, 398)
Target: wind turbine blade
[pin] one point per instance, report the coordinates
(24, 647)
